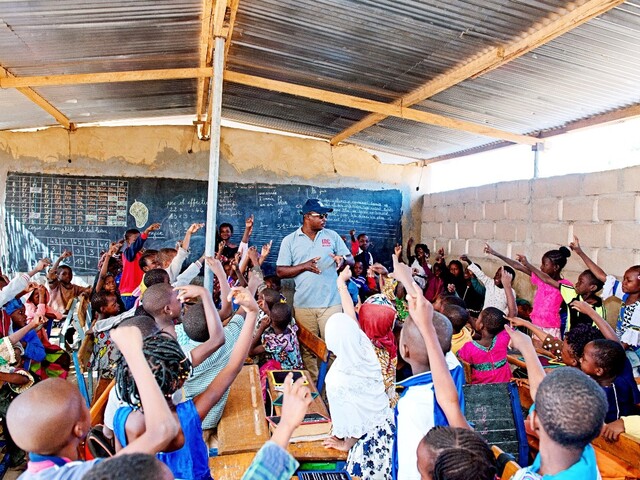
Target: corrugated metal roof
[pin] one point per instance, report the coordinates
(376, 49)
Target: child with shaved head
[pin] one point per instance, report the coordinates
(418, 410)
(51, 420)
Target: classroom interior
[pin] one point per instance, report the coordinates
(336, 94)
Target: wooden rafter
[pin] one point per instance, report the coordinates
(274, 85)
(596, 120)
(206, 42)
(104, 77)
(36, 98)
(376, 107)
(542, 33)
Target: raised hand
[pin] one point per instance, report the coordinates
(127, 338)
(266, 248)
(488, 249)
(66, 254)
(344, 275)
(522, 259)
(152, 228)
(195, 227)
(397, 250)
(506, 277)
(339, 259)
(186, 292)
(244, 298)
(520, 341)
(403, 273)
(248, 223)
(465, 258)
(575, 245)
(42, 264)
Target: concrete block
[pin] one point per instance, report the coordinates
(431, 229)
(615, 261)
(625, 234)
(551, 233)
(474, 211)
(596, 235)
(458, 247)
(442, 214)
(438, 199)
(631, 179)
(428, 214)
(579, 209)
(601, 182)
(455, 212)
(544, 210)
(515, 248)
(475, 249)
(466, 230)
(484, 230)
(495, 211)
(517, 209)
(516, 190)
(487, 193)
(448, 230)
(535, 253)
(568, 185)
(440, 242)
(506, 231)
(623, 206)
(466, 195)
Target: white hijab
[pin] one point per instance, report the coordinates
(357, 399)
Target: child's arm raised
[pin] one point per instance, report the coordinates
(113, 249)
(187, 235)
(160, 426)
(606, 329)
(345, 298)
(520, 322)
(539, 273)
(515, 265)
(41, 265)
(264, 252)
(207, 399)
(591, 265)
(280, 464)
(512, 308)
(214, 325)
(421, 312)
(257, 348)
(218, 270)
(53, 271)
(522, 343)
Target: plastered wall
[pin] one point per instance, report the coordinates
(175, 152)
(531, 217)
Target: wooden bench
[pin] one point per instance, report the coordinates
(319, 349)
(507, 466)
(243, 426)
(619, 459)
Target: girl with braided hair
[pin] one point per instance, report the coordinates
(447, 453)
(187, 454)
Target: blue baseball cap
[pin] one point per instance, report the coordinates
(315, 205)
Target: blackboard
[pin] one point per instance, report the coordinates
(494, 411)
(46, 214)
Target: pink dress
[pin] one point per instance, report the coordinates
(488, 365)
(546, 303)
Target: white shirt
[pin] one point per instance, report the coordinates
(415, 419)
(494, 296)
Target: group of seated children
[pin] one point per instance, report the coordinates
(394, 387)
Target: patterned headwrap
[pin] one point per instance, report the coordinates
(377, 316)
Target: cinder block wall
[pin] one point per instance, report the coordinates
(533, 216)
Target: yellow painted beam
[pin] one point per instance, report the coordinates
(540, 34)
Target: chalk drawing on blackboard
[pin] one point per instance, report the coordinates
(140, 212)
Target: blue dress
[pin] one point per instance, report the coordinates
(191, 462)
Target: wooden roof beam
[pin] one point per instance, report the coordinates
(388, 110)
(206, 42)
(543, 32)
(619, 115)
(104, 77)
(36, 98)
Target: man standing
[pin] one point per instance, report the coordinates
(311, 256)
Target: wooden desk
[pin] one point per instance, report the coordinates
(310, 451)
(243, 426)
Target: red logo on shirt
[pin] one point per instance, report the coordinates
(326, 242)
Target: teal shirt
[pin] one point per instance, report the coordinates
(313, 290)
(584, 469)
(271, 462)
